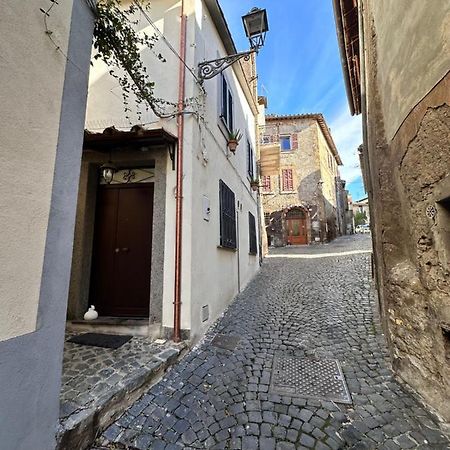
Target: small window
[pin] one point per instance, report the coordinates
(250, 161)
(266, 140)
(285, 143)
(227, 105)
(252, 234)
(227, 216)
(266, 184)
(267, 218)
(287, 181)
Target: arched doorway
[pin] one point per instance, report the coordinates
(296, 226)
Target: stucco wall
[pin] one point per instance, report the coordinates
(413, 42)
(408, 174)
(28, 138)
(216, 273)
(44, 101)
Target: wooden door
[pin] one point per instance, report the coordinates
(121, 266)
(296, 231)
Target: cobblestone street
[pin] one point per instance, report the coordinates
(307, 302)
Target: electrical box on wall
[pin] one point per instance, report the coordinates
(206, 208)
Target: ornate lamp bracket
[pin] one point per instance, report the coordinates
(209, 69)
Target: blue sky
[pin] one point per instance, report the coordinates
(300, 71)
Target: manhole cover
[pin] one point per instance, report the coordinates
(311, 378)
(225, 341)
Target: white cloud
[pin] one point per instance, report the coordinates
(347, 134)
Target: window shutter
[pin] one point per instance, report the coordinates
(266, 183)
(227, 216)
(252, 234)
(295, 141)
(224, 111)
(287, 180)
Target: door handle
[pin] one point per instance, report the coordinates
(125, 249)
(117, 250)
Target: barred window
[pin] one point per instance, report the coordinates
(252, 234)
(266, 185)
(227, 216)
(287, 181)
(267, 218)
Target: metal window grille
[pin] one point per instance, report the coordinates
(287, 180)
(267, 218)
(227, 216)
(252, 234)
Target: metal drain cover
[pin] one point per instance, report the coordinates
(311, 378)
(225, 341)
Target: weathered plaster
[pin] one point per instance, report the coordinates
(407, 174)
(413, 37)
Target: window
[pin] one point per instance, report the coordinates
(285, 143)
(226, 112)
(287, 181)
(267, 218)
(252, 234)
(266, 185)
(227, 216)
(250, 163)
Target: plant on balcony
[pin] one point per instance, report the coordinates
(233, 140)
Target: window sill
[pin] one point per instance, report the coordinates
(230, 249)
(253, 254)
(288, 192)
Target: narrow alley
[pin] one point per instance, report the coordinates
(265, 376)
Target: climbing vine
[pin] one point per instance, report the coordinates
(118, 45)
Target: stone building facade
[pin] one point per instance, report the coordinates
(299, 194)
(399, 79)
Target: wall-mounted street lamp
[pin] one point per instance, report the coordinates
(107, 171)
(256, 26)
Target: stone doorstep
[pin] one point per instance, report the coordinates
(81, 428)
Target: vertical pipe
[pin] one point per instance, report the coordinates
(179, 187)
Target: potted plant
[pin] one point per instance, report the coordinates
(233, 140)
(254, 184)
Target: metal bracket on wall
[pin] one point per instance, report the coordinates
(209, 69)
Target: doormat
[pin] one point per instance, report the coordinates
(225, 341)
(311, 378)
(100, 340)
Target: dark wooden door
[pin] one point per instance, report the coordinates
(121, 266)
(296, 231)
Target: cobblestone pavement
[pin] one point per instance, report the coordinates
(309, 308)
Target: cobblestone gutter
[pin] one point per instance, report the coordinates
(99, 384)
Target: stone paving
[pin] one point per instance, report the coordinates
(94, 376)
(312, 308)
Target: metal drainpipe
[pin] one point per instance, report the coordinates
(179, 187)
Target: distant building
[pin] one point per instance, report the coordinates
(299, 171)
(362, 206)
(396, 64)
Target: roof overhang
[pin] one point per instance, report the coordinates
(347, 27)
(138, 138)
(322, 124)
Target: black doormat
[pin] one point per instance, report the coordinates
(100, 340)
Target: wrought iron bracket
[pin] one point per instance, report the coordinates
(209, 69)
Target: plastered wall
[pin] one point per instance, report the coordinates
(413, 42)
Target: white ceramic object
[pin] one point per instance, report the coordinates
(91, 313)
